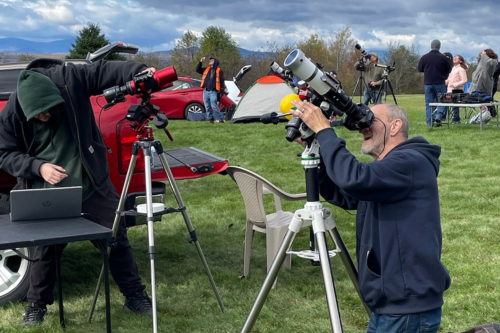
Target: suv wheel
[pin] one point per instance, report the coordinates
(194, 108)
(14, 275)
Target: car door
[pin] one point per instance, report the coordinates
(173, 100)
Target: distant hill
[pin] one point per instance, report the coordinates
(243, 52)
(17, 45)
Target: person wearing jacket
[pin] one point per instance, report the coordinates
(398, 228)
(213, 84)
(482, 78)
(456, 82)
(374, 77)
(49, 138)
(436, 68)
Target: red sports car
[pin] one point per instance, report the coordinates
(183, 96)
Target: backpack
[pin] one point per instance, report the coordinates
(477, 96)
(484, 115)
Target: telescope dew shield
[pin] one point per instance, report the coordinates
(303, 67)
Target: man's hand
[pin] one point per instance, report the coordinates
(311, 115)
(149, 69)
(52, 173)
(202, 59)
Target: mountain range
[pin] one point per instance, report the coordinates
(17, 45)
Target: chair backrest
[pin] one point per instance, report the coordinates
(251, 189)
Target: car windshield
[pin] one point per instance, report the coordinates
(183, 84)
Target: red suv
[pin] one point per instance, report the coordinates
(119, 137)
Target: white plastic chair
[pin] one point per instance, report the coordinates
(253, 187)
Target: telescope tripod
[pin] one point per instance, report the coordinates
(320, 218)
(361, 83)
(383, 88)
(146, 145)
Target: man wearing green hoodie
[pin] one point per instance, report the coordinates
(49, 138)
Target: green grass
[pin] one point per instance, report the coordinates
(469, 196)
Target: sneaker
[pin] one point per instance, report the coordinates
(212, 121)
(33, 315)
(437, 121)
(139, 303)
(220, 121)
(456, 122)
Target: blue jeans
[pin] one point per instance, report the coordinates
(421, 322)
(211, 104)
(456, 114)
(431, 96)
(371, 95)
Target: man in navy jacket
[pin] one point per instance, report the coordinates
(436, 68)
(398, 227)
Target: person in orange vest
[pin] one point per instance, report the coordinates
(213, 84)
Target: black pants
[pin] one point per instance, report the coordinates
(121, 260)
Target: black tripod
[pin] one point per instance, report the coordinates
(322, 221)
(146, 143)
(383, 87)
(361, 83)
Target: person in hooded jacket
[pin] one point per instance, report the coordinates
(483, 76)
(213, 84)
(49, 138)
(398, 227)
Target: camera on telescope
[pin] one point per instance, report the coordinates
(365, 57)
(284, 74)
(142, 85)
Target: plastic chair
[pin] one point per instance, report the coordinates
(253, 187)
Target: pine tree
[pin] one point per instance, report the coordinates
(90, 40)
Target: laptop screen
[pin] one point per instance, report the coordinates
(45, 203)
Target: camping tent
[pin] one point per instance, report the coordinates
(264, 96)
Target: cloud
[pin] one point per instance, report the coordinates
(462, 26)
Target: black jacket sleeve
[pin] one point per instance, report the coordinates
(101, 75)
(200, 69)
(13, 153)
(222, 82)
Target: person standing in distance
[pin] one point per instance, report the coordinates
(456, 82)
(213, 84)
(436, 68)
(374, 77)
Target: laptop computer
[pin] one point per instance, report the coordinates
(45, 203)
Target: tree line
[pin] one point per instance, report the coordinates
(337, 52)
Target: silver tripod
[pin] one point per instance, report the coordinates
(146, 144)
(322, 221)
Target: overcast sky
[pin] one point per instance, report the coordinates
(463, 26)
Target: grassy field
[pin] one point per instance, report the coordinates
(469, 197)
